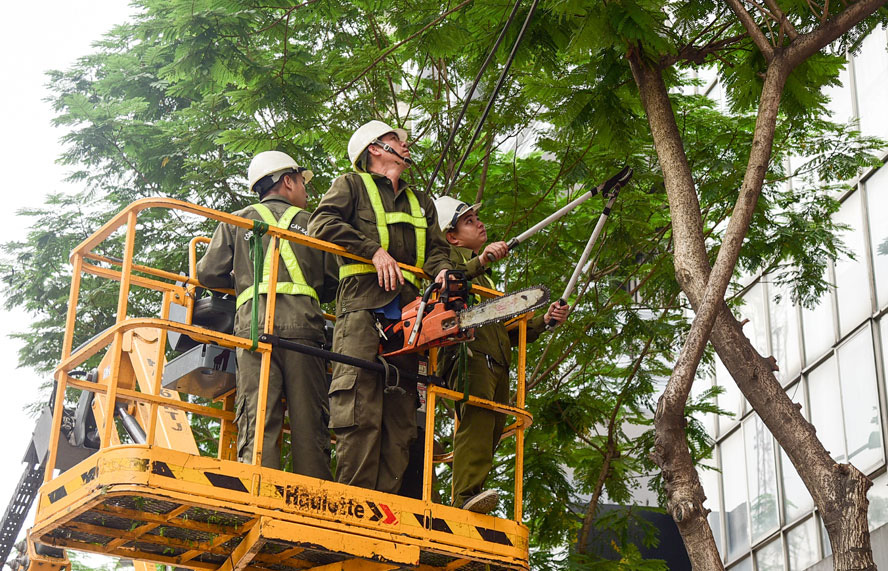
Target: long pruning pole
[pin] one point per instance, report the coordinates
(587, 251)
(608, 187)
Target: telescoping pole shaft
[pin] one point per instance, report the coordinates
(586, 253)
(611, 185)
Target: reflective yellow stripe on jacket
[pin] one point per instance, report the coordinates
(383, 219)
(298, 285)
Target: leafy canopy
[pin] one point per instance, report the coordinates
(175, 103)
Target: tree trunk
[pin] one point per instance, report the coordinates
(838, 490)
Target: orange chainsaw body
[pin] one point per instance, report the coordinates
(440, 321)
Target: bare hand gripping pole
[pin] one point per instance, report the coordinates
(611, 193)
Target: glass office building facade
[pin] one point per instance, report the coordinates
(833, 361)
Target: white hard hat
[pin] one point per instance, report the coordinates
(450, 209)
(274, 164)
(366, 134)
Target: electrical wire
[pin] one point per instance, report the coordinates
(468, 97)
(493, 95)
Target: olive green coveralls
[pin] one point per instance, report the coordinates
(373, 428)
(300, 378)
(487, 374)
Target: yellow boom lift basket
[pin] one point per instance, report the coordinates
(163, 502)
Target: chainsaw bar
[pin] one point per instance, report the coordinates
(505, 307)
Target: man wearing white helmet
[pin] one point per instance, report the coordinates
(488, 357)
(375, 215)
(306, 278)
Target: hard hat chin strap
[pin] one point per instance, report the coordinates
(389, 149)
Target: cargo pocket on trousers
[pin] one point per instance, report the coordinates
(342, 400)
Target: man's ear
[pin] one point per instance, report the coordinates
(451, 238)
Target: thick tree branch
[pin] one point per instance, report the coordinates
(685, 495)
(808, 44)
(752, 29)
(782, 19)
(698, 54)
(839, 491)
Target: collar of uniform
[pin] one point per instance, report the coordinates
(275, 198)
(402, 184)
(464, 253)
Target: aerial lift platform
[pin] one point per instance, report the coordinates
(155, 498)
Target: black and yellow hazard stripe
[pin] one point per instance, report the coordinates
(459, 528)
(269, 489)
(201, 477)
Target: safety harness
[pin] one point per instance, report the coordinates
(383, 220)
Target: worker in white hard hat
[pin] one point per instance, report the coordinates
(306, 278)
(374, 214)
(487, 358)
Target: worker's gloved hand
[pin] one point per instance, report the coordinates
(557, 312)
(387, 270)
(493, 252)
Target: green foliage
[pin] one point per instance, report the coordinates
(175, 102)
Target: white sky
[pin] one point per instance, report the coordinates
(34, 38)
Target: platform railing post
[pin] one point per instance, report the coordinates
(519, 434)
(429, 445)
(265, 368)
(62, 381)
(158, 370)
(117, 345)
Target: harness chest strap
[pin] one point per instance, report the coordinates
(383, 220)
(297, 285)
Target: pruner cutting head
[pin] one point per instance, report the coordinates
(613, 185)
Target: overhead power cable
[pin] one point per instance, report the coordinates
(471, 92)
(493, 95)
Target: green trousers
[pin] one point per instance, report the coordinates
(479, 429)
(373, 428)
(302, 380)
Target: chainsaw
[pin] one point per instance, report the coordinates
(449, 319)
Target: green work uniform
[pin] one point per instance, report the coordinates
(301, 379)
(487, 374)
(373, 428)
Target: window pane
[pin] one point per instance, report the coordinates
(745, 565)
(761, 476)
(770, 557)
(819, 334)
(878, 502)
(826, 416)
(731, 400)
(824, 540)
(871, 67)
(852, 281)
(784, 333)
(709, 481)
(734, 486)
(860, 401)
(839, 106)
(754, 310)
(877, 200)
(796, 499)
(700, 385)
(801, 545)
